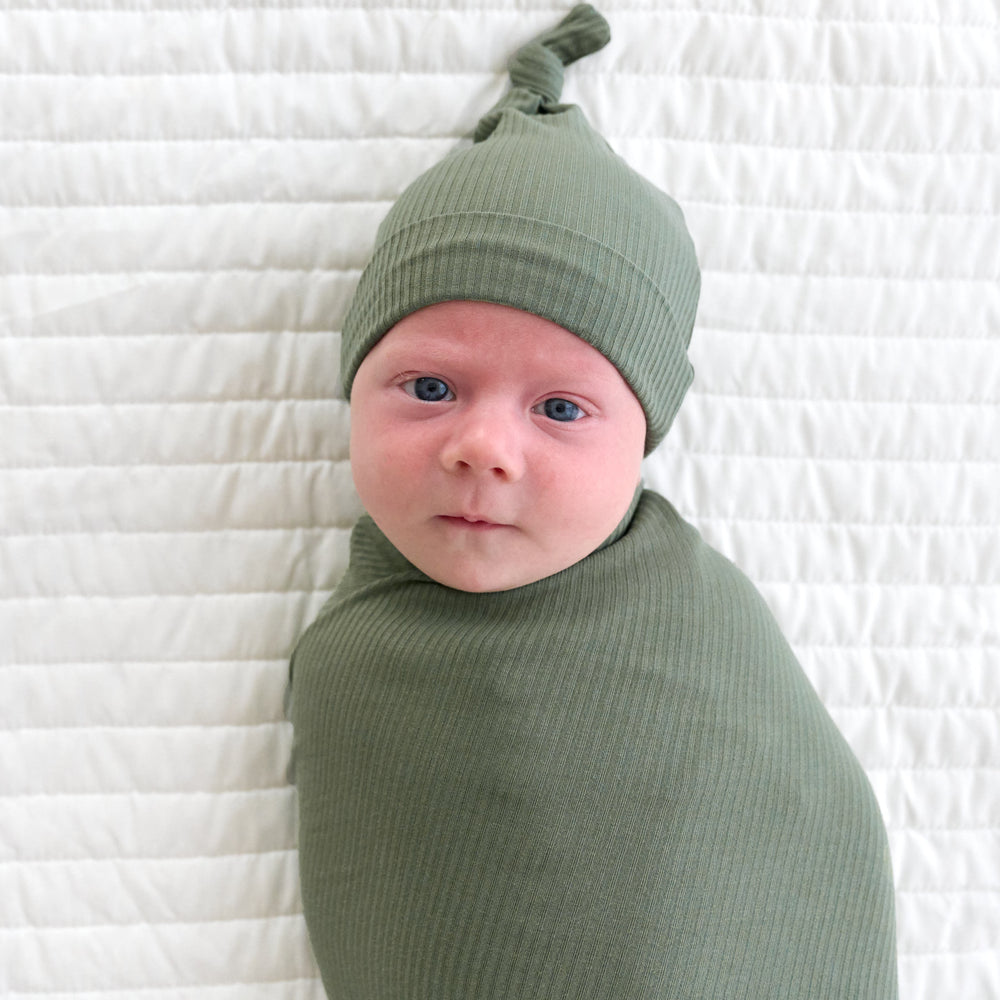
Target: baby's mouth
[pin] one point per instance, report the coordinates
(471, 521)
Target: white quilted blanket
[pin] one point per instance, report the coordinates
(187, 193)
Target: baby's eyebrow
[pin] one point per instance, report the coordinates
(424, 354)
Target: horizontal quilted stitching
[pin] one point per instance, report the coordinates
(188, 193)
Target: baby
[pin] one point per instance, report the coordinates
(548, 743)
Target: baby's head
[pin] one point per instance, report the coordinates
(491, 446)
(518, 340)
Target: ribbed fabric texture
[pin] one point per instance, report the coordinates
(540, 214)
(612, 784)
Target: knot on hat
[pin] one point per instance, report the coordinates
(536, 71)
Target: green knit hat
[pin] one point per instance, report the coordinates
(540, 214)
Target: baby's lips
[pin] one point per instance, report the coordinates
(476, 519)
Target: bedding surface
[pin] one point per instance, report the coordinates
(187, 194)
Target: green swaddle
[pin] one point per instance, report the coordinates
(615, 783)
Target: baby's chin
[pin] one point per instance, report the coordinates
(474, 580)
(483, 576)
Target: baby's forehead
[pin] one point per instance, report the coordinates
(456, 330)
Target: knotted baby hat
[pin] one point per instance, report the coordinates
(539, 213)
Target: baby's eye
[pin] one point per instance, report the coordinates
(560, 409)
(428, 389)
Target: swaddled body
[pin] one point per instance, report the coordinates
(549, 745)
(613, 783)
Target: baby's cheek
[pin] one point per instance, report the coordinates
(371, 473)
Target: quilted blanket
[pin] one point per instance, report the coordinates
(187, 194)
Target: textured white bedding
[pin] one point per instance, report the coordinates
(187, 193)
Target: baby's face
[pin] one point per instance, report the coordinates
(492, 447)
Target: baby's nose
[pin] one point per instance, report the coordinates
(487, 443)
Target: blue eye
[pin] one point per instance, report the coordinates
(428, 389)
(561, 409)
